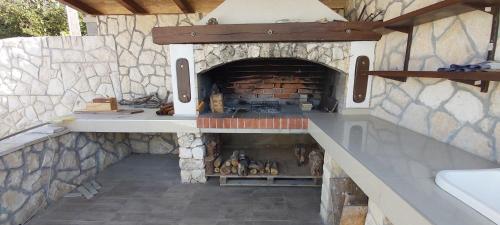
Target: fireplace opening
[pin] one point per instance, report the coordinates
(264, 159)
(269, 86)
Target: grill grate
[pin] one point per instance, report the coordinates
(265, 107)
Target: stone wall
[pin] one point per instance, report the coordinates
(161, 143)
(144, 66)
(451, 112)
(45, 77)
(36, 176)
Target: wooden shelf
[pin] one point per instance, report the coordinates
(440, 10)
(465, 76)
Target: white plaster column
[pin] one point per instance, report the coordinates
(73, 22)
(359, 48)
(178, 52)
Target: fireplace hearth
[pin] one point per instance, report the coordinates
(270, 86)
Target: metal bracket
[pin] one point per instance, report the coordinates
(183, 81)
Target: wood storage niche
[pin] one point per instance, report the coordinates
(264, 160)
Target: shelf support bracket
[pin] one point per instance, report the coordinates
(485, 85)
(409, 32)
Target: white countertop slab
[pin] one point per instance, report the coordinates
(145, 122)
(396, 168)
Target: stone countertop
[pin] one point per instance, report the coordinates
(145, 122)
(396, 168)
(30, 137)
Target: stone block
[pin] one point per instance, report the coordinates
(465, 107)
(474, 142)
(191, 164)
(185, 153)
(13, 160)
(198, 152)
(12, 200)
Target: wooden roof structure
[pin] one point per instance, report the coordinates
(128, 7)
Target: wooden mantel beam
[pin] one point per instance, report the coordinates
(184, 6)
(81, 6)
(273, 32)
(133, 6)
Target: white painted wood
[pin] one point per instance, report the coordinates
(73, 22)
(359, 48)
(177, 52)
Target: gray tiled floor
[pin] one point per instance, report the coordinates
(145, 190)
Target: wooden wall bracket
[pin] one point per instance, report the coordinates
(361, 79)
(183, 80)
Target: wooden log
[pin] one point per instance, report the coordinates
(243, 165)
(216, 170)
(218, 162)
(234, 158)
(274, 168)
(255, 167)
(349, 203)
(227, 163)
(300, 154)
(234, 169)
(209, 165)
(211, 148)
(316, 161)
(267, 168)
(225, 169)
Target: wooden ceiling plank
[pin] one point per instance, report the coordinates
(184, 6)
(133, 6)
(81, 6)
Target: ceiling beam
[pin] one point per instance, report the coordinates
(184, 6)
(81, 6)
(133, 7)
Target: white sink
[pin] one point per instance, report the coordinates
(480, 189)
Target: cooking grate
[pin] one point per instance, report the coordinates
(265, 106)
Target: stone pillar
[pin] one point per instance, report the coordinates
(191, 157)
(376, 216)
(330, 170)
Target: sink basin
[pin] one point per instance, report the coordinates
(480, 189)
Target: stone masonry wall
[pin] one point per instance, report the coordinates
(45, 77)
(192, 154)
(448, 111)
(36, 176)
(161, 143)
(144, 66)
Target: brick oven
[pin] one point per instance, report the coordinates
(268, 93)
(260, 90)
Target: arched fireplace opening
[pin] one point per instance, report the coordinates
(271, 86)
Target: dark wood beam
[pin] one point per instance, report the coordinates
(274, 32)
(133, 7)
(184, 6)
(81, 6)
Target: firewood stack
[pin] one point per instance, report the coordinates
(240, 164)
(213, 156)
(166, 110)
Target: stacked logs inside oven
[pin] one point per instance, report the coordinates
(239, 163)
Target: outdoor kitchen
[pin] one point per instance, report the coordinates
(315, 112)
